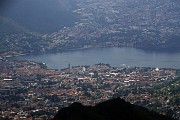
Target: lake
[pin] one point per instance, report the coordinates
(116, 57)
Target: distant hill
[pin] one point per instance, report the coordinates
(115, 109)
(40, 15)
(9, 26)
(144, 24)
(14, 37)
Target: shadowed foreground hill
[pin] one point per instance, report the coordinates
(116, 109)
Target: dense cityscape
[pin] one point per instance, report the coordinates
(30, 90)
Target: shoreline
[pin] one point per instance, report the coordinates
(16, 54)
(114, 56)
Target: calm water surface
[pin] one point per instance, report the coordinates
(117, 57)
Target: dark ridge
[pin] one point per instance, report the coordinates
(115, 109)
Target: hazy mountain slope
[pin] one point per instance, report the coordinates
(41, 15)
(116, 109)
(8, 26)
(145, 24)
(16, 38)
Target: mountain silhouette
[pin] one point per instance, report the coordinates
(115, 109)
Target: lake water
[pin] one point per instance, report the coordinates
(117, 57)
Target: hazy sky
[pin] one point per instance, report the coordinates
(39, 15)
(5, 4)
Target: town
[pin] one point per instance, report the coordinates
(30, 90)
(152, 25)
(104, 23)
